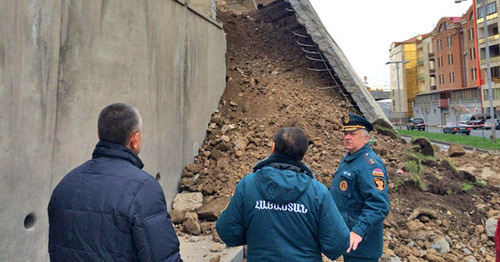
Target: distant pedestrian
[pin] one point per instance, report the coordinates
(359, 189)
(280, 211)
(108, 209)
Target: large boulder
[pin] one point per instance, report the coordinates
(490, 226)
(441, 245)
(187, 201)
(212, 210)
(456, 150)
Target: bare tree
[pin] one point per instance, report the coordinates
(426, 111)
(458, 110)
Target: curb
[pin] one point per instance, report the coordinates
(470, 148)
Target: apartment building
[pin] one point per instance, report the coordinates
(448, 75)
(492, 22)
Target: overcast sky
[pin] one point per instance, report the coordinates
(365, 29)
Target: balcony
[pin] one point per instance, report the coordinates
(432, 72)
(490, 39)
(443, 103)
(492, 60)
(431, 56)
(420, 60)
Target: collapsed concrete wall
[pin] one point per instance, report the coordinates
(62, 61)
(338, 61)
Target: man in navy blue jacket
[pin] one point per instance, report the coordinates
(281, 212)
(359, 189)
(108, 209)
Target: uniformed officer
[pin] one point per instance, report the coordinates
(359, 189)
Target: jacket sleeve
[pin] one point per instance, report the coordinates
(376, 205)
(154, 235)
(229, 226)
(332, 231)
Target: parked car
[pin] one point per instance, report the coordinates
(416, 123)
(488, 124)
(474, 120)
(456, 128)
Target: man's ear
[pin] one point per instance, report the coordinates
(98, 136)
(133, 143)
(273, 147)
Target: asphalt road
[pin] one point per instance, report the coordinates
(474, 132)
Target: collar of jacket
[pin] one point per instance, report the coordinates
(109, 149)
(277, 158)
(349, 157)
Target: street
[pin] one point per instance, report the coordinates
(474, 132)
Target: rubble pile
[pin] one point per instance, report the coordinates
(443, 204)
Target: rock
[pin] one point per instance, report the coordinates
(478, 229)
(226, 128)
(469, 259)
(194, 168)
(241, 144)
(206, 227)
(422, 211)
(425, 146)
(456, 150)
(187, 201)
(190, 224)
(211, 210)
(415, 225)
(215, 259)
(434, 257)
(225, 138)
(215, 236)
(493, 213)
(441, 245)
(177, 216)
(490, 226)
(216, 248)
(402, 251)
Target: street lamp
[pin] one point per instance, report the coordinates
(399, 89)
(488, 68)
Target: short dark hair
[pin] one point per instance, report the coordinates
(117, 122)
(291, 142)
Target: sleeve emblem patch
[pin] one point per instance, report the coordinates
(379, 183)
(343, 185)
(378, 172)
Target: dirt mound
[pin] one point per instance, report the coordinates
(269, 86)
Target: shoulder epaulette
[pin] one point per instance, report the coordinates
(369, 159)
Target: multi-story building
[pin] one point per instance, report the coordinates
(492, 22)
(448, 76)
(403, 93)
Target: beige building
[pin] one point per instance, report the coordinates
(492, 22)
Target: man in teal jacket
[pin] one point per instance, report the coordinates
(359, 189)
(281, 212)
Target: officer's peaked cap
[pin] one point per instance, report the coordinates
(354, 122)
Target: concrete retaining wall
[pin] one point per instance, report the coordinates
(336, 58)
(62, 61)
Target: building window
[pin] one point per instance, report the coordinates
(439, 45)
(471, 16)
(473, 53)
(471, 33)
(440, 62)
(441, 79)
(443, 27)
(450, 59)
(449, 41)
(491, 8)
(452, 77)
(480, 13)
(473, 72)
